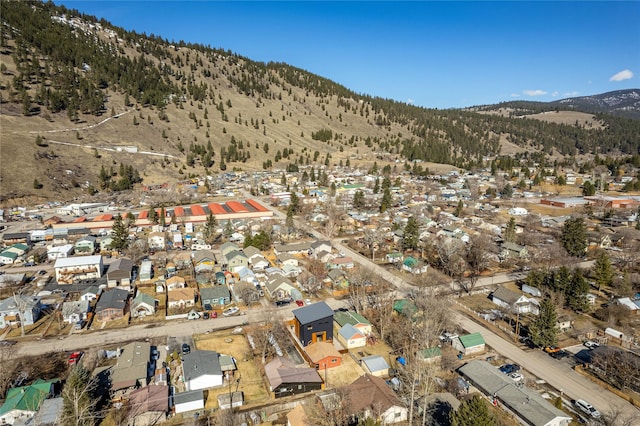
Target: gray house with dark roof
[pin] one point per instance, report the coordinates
(112, 304)
(314, 323)
(215, 296)
(119, 273)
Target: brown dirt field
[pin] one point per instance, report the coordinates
(251, 383)
(569, 117)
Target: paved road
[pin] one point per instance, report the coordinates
(557, 373)
(102, 338)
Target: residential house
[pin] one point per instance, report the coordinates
(280, 288)
(90, 293)
(149, 405)
(247, 275)
(19, 308)
(201, 370)
(252, 252)
(59, 252)
(157, 241)
(338, 279)
(85, 245)
(204, 260)
(323, 355)
(71, 269)
(259, 263)
(246, 293)
(301, 248)
(564, 323)
(513, 251)
(414, 266)
(131, 369)
(345, 262)
(525, 403)
(285, 379)
(75, 311)
(354, 319)
(313, 323)
(50, 412)
(394, 257)
(9, 280)
(287, 259)
(22, 403)
(351, 337)
(143, 305)
(185, 402)
(235, 260)
(8, 257)
(105, 244)
(175, 282)
(216, 296)
(375, 365)
(469, 344)
(119, 273)
(319, 247)
(181, 298)
(112, 305)
(514, 302)
(220, 278)
(629, 304)
(370, 397)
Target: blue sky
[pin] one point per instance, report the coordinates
(433, 54)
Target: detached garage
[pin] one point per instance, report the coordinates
(188, 401)
(469, 344)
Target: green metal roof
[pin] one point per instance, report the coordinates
(27, 398)
(470, 340)
(352, 318)
(430, 353)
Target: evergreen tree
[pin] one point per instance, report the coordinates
(120, 234)
(228, 229)
(153, 215)
(386, 201)
(459, 209)
(574, 236)
(576, 296)
(510, 231)
(507, 191)
(358, 200)
(376, 186)
(289, 220)
(36, 184)
(410, 236)
(543, 329)
(163, 217)
(332, 191)
(588, 189)
(602, 271)
(210, 226)
(294, 203)
(473, 412)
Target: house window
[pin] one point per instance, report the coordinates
(309, 327)
(334, 360)
(398, 414)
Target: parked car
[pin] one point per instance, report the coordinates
(205, 315)
(42, 272)
(590, 344)
(587, 408)
(74, 358)
(186, 349)
(282, 302)
(230, 311)
(516, 377)
(551, 349)
(560, 354)
(299, 303)
(510, 368)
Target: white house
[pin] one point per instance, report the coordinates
(514, 302)
(58, 252)
(201, 370)
(351, 337)
(184, 402)
(518, 211)
(75, 311)
(70, 269)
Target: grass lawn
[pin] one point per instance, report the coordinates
(249, 371)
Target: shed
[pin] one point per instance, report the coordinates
(188, 401)
(469, 344)
(375, 365)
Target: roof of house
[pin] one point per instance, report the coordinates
(282, 370)
(204, 256)
(527, 404)
(27, 398)
(11, 303)
(143, 298)
(122, 264)
(115, 298)
(369, 391)
(188, 396)
(49, 412)
(131, 366)
(320, 350)
(375, 363)
(313, 312)
(348, 332)
(471, 340)
(506, 295)
(200, 363)
(429, 353)
(251, 251)
(66, 262)
(149, 398)
(349, 317)
(215, 292)
(75, 307)
(179, 294)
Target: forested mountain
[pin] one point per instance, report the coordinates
(620, 103)
(87, 106)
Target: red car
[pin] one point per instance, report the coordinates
(299, 303)
(74, 358)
